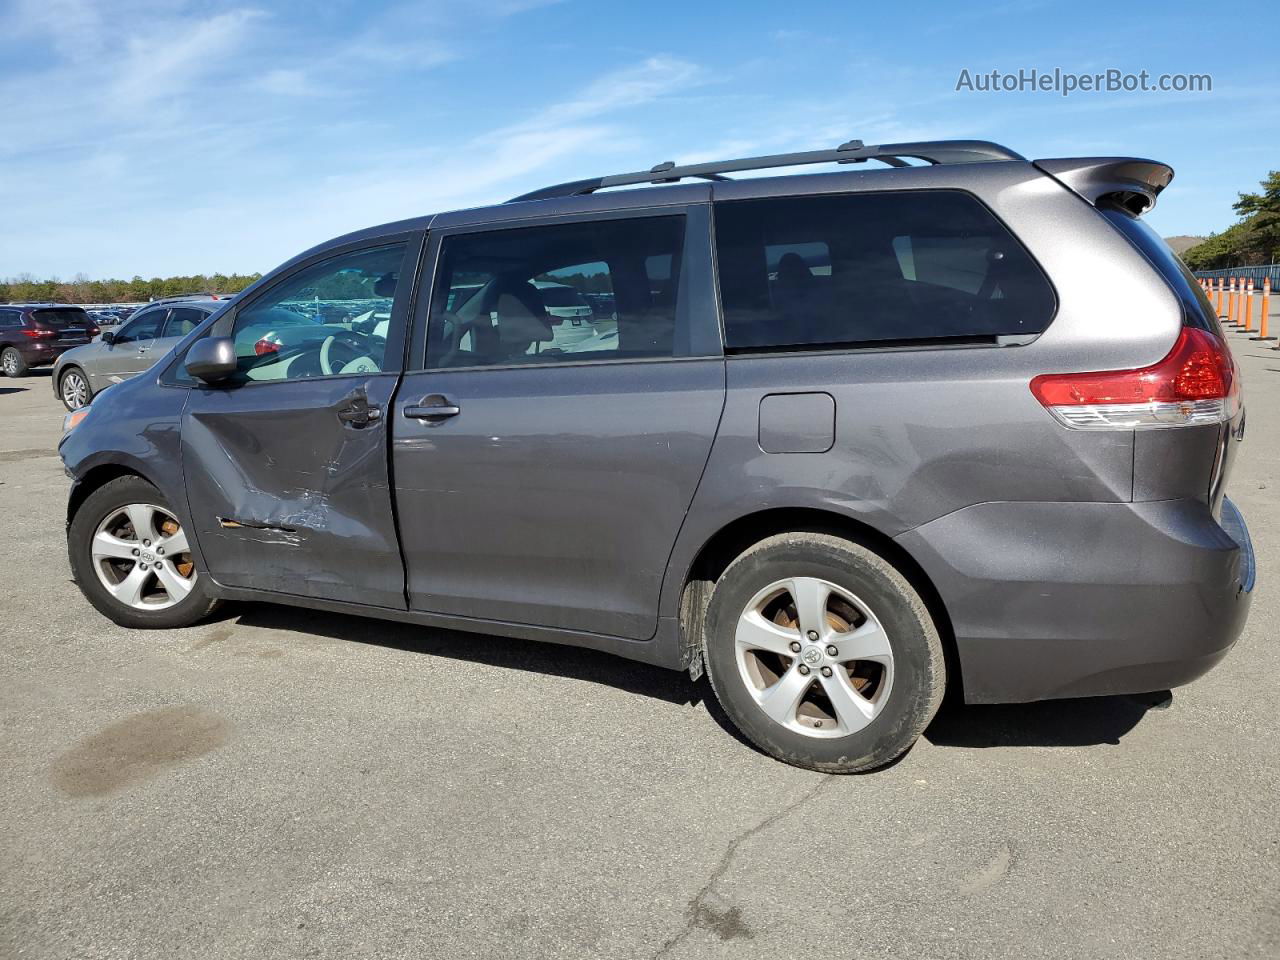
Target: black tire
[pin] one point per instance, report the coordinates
(98, 507)
(62, 393)
(918, 674)
(12, 364)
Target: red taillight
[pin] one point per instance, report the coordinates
(1195, 383)
(265, 346)
(92, 331)
(38, 333)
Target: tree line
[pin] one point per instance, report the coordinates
(81, 289)
(1254, 241)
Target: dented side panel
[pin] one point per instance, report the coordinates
(286, 496)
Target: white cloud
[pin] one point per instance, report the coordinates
(169, 58)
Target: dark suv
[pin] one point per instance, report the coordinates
(36, 334)
(844, 439)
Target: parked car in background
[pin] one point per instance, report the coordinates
(846, 441)
(37, 334)
(564, 302)
(127, 350)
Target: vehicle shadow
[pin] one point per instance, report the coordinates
(575, 663)
(1080, 722)
(1054, 723)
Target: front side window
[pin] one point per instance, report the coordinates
(182, 320)
(330, 319)
(856, 269)
(145, 326)
(599, 290)
(10, 318)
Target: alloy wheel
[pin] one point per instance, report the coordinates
(814, 657)
(141, 556)
(75, 391)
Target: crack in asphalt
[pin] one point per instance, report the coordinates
(728, 924)
(15, 456)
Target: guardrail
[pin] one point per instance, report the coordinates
(1256, 274)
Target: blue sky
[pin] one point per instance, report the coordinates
(160, 137)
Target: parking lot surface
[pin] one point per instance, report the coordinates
(280, 783)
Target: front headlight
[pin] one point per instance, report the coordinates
(74, 417)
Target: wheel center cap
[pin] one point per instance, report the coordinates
(812, 656)
(146, 557)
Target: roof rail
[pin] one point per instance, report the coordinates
(893, 154)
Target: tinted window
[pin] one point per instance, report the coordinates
(1197, 307)
(182, 320)
(145, 326)
(601, 290)
(59, 318)
(10, 318)
(327, 320)
(828, 271)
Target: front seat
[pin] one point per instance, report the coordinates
(520, 318)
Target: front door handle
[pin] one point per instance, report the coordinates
(434, 407)
(359, 412)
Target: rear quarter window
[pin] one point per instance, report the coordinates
(873, 268)
(1197, 308)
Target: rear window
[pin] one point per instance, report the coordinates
(1197, 308)
(59, 318)
(873, 268)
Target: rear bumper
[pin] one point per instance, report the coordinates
(42, 354)
(1055, 600)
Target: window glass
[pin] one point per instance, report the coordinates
(328, 320)
(830, 271)
(10, 318)
(600, 290)
(182, 320)
(1197, 307)
(145, 326)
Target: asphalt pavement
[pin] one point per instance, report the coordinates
(280, 783)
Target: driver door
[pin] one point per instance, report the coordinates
(286, 465)
(129, 352)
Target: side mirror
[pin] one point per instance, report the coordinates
(108, 337)
(211, 359)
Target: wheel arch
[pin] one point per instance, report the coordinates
(96, 478)
(736, 537)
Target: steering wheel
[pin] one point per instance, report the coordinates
(347, 352)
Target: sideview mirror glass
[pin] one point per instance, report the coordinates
(212, 359)
(108, 337)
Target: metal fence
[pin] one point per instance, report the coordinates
(1255, 274)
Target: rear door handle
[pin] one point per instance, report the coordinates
(434, 407)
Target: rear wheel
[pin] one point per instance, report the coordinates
(822, 653)
(12, 364)
(73, 387)
(132, 560)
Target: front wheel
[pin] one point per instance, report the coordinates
(12, 364)
(73, 387)
(822, 653)
(132, 561)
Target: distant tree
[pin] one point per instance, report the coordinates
(81, 289)
(1254, 240)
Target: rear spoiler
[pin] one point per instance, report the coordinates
(1128, 182)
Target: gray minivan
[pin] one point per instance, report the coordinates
(845, 440)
